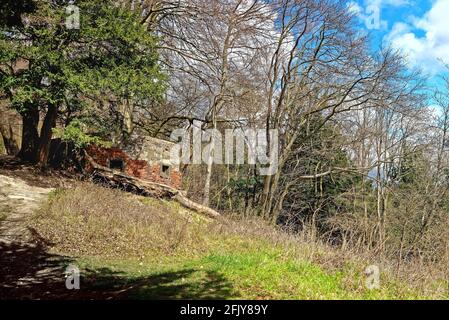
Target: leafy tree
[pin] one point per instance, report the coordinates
(314, 199)
(69, 73)
(410, 169)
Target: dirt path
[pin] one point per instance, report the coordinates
(27, 269)
(18, 200)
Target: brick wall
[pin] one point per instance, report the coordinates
(136, 168)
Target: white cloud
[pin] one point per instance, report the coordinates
(424, 51)
(370, 11)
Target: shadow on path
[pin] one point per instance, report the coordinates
(28, 271)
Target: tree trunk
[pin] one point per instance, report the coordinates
(46, 134)
(217, 104)
(30, 136)
(127, 110)
(7, 133)
(265, 194)
(206, 196)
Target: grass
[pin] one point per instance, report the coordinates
(134, 247)
(262, 274)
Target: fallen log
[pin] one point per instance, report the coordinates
(186, 202)
(145, 187)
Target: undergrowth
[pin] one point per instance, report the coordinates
(162, 250)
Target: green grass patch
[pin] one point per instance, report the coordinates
(262, 274)
(134, 247)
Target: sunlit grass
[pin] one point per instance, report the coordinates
(146, 248)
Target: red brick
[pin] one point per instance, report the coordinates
(136, 168)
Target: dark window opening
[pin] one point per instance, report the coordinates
(117, 164)
(165, 171)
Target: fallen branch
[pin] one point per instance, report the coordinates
(145, 187)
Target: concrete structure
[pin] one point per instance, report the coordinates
(147, 159)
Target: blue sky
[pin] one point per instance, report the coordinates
(419, 28)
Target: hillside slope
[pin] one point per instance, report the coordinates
(133, 247)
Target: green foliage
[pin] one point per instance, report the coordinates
(316, 150)
(111, 57)
(245, 185)
(411, 169)
(75, 132)
(121, 59)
